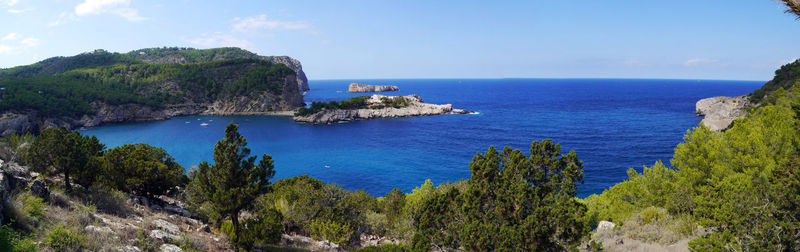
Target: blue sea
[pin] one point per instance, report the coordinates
(612, 124)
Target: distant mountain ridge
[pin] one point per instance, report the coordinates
(99, 87)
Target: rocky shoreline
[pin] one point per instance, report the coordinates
(415, 107)
(719, 112)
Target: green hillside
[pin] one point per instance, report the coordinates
(65, 86)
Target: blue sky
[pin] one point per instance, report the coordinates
(685, 39)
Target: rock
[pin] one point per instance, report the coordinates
(16, 170)
(365, 88)
(619, 241)
(169, 248)
(99, 230)
(4, 189)
(720, 111)
(128, 248)
(166, 226)
(204, 228)
(377, 109)
(39, 189)
(177, 210)
(605, 226)
(163, 236)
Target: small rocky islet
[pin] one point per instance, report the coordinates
(379, 106)
(367, 88)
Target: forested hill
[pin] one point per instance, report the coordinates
(166, 55)
(785, 77)
(148, 84)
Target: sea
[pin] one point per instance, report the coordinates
(612, 124)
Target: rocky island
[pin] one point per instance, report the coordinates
(366, 88)
(100, 87)
(368, 107)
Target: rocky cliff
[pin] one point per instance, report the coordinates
(376, 109)
(365, 88)
(260, 104)
(100, 87)
(719, 112)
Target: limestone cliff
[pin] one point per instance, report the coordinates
(719, 112)
(366, 88)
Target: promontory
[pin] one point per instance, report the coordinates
(100, 87)
(366, 88)
(368, 107)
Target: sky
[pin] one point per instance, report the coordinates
(673, 39)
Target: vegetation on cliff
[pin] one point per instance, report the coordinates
(66, 86)
(785, 77)
(358, 102)
(739, 187)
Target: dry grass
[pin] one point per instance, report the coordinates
(652, 229)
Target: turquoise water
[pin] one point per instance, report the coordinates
(611, 124)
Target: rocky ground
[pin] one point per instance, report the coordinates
(415, 107)
(122, 222)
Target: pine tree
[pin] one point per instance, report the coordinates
(234, 181)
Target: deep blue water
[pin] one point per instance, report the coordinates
(612, 125)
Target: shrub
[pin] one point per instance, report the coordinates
(32, 205)
(389, 247)
(141, 169)
(264, 228)
(331, 231)
(109, 201)
(62, 239)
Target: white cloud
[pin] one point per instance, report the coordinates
(117, 7)
(63, 18)
(220, 40)
(699, 61)
(29, 42)
(12, 2)
(11, 36)
(261, 22)
(16, 43)
(4, 49)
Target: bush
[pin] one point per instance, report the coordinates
(389, 247)
(32, 205)
(141, 169)
(62, 239)
(264, 228)
(331, 231)
(109, 201)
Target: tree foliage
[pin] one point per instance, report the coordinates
(61, 151)
(511, 201)
(234, 180)
(141, 169)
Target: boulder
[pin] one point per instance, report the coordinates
(128, 248)
(169, 248)
(177, 210)
(163, 236)
(605, 226)
(99, 230)
(166, 226)
(39, 189)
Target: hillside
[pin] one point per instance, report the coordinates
(149, 84)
